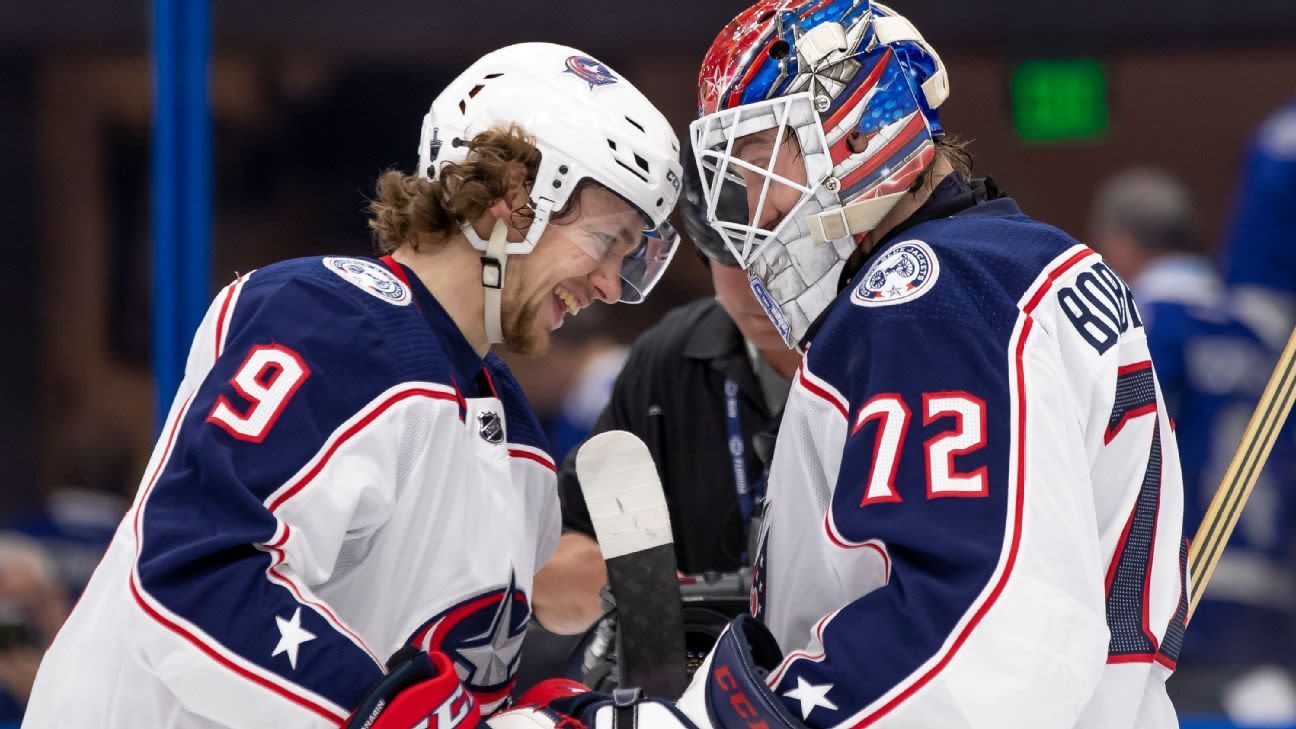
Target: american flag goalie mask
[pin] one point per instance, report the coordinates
(803, 75)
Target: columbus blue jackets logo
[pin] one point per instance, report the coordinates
(903, 273)
(374, 278)
(490, 428)
(590, 70)
(483, 636)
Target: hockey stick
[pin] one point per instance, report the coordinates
(1258, 439)
(628, 510)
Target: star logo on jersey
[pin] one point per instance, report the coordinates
(373, 278)
(483, 635)
(904, 272)
(811, 697)
(590, 71)
(291, 637)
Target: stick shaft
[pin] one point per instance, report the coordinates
(1240, 478)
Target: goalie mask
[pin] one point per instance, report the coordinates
(590, 125)
(846, 93)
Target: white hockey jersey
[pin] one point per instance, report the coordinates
(339, 475)
(975, 505)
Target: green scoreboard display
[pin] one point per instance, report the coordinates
(1059, 100)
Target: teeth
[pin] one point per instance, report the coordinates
(568, 301)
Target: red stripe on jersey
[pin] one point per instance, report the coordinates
(323, 609)
(1054, 275)
(351, 432)
(542, 460)
(821, 392)
(220, 319)
(832, 535)
(245, 673)
(174, 627)
(1111, 433)
(396, 268)
(1134, 367)
(1027, 324)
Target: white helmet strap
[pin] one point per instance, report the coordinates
(493, 264)
(861, 216)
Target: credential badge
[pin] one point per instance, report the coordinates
(374, 278)
(903, 273)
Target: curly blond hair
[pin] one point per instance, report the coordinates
(498, 161)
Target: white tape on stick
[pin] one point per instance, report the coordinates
(623, 493)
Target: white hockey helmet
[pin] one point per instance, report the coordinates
(588, 123)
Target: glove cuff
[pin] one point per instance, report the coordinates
(736, 694)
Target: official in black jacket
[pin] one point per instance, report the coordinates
(703, 388)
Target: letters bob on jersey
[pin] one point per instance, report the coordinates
(903, 273)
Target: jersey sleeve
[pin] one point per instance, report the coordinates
(284, 447)
(964, 589)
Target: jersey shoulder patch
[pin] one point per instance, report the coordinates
(371, 277)
(904, 272)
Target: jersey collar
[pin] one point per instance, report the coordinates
(464, 358)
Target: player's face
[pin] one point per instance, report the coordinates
(759, 150)
(736, 298)
(576, 261)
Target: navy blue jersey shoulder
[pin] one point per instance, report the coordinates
(981, 261)
(522, 423)
(304, 299)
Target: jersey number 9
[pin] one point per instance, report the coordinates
(267, 380)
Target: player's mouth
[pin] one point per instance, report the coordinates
(565, 303)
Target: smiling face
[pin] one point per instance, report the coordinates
(576, 261)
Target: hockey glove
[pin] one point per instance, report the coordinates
(421, 691)
(729, 689)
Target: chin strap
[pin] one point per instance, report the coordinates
(852, 218)
(492, 278)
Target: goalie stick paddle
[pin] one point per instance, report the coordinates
(628, 510)
(1258, 439)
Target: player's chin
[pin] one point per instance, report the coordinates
(529, 338)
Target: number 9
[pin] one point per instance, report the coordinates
(267, 379)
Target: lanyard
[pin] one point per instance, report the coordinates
(748, 493)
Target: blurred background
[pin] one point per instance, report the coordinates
(309, 102)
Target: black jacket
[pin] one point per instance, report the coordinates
(671, 394)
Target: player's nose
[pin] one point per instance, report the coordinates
(762, 216)
(606, 280)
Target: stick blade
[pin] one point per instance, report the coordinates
(628, 510)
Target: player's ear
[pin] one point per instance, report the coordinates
(501, 208)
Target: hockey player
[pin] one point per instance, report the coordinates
(346, 472)
(974, 509)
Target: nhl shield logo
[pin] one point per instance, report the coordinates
(490, 428)
(590, 70)
(903, 273)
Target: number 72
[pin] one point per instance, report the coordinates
(943, 481)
